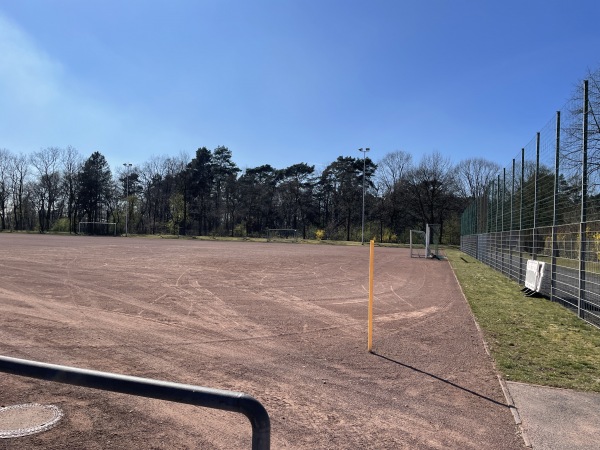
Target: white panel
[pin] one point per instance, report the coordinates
(531, 276)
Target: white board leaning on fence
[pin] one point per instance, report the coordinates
(534, 276)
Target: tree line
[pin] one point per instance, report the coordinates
(56, 189)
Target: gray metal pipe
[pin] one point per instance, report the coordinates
(145, 387)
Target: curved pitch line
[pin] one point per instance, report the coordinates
(180, 276)
(402, 299)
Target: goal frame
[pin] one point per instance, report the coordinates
(272, 234)
(114, 224)
(431, 238)
(415, 247)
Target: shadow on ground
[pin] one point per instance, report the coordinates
(441, 379)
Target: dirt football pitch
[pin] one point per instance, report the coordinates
(284, 323)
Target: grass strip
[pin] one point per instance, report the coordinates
(532, 340)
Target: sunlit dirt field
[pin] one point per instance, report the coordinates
(285, 323)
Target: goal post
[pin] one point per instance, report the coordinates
(98, 228)
(282, 235)
(418, 245)
(433, 232)
(425, 244)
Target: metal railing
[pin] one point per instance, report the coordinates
(144, 387)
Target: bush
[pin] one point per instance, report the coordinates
(319, 234)
(61, 225)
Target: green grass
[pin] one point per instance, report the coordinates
(532, 340)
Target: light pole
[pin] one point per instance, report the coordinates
(364, 152)
(127, 166)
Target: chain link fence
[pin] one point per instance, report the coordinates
(546, 206)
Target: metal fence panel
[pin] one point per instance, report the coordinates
(545, 206)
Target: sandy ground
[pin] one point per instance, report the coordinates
(285, 323)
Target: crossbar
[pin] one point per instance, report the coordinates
(145, 387)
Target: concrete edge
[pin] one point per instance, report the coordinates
(515, 411)
(503, 385)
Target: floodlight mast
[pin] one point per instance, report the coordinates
(127, 167)
(364, 152)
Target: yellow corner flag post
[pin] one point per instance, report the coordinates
(371, 263)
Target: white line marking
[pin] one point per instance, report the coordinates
(405, 301)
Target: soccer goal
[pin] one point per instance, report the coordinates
(282, 235)
(98, 228)
(418, 245)
(425, 244)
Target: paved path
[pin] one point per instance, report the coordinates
(558, 419)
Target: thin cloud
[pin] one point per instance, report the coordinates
(40, 104)
(28, 77)
(45, 104)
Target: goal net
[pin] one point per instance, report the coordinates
(425, 244)
(282, 235)
(98, 228)
(417, 244)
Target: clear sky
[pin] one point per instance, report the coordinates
(286, 81)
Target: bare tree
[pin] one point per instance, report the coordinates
(155, 189)
(46, 162)
(474, 175)
(19, 173)
(5, 164)
(392, 168)
(390, 187)
(72, 162)
(432, 186)
(572, 128)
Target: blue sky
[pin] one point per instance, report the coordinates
(286, 81)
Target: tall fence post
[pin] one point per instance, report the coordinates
(534, 245)
(481, 219)
(490, 209)
(555, 211)
(502, 243)
(491, 237)
(584, 195)
(521, 276)
(497, 218)
(512, 217)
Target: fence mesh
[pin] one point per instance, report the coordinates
(545, 206)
